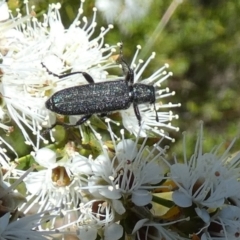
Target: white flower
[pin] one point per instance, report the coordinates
(4, 118)
(146, 229)
(11, 227)
(224, 224)
(9, 199)
(206, 179)
(5, 160)
(26, 84)
(98, 216)
(149, 123)
(124, 12)
(229, 219)
(113, 231)
(87, 233)
(129, 173)
(4, 15)
(59, 184)
(26, 227)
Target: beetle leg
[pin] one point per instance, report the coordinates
(47, 130)
(79, 122)
(83, 119)
(157, 119)
(126, 68)
(65, 125)
(137, 113)
(130, 76)
(103, 114)
(86, 75)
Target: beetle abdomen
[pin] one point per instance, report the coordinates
(91, 98)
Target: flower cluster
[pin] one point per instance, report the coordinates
(109, 177)
(124, 12)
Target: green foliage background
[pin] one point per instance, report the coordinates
(201, 43)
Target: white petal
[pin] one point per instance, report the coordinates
(110, 9)
(87, 233)
(4, 14)
(153, 173)
(118, 206)
(203, 214)
(139, 224)
(4, 222)
(34, 181)
(111, 194)
(215, 203)
(113, 232)
(102, 165)
(46, 157)
(230, 212)
(141, 197)
(204, 237)
(53, 63)
(80, 164)
(180, 172)
(181, 199)
(126, 150)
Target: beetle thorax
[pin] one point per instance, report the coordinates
(143, 93)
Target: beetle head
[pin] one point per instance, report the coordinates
(49, 104)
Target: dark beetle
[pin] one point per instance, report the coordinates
(101, 98)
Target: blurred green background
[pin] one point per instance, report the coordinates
(201, 43)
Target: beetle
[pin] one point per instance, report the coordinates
(101, 98)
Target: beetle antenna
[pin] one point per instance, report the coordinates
(125, 66)
(157, 119)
